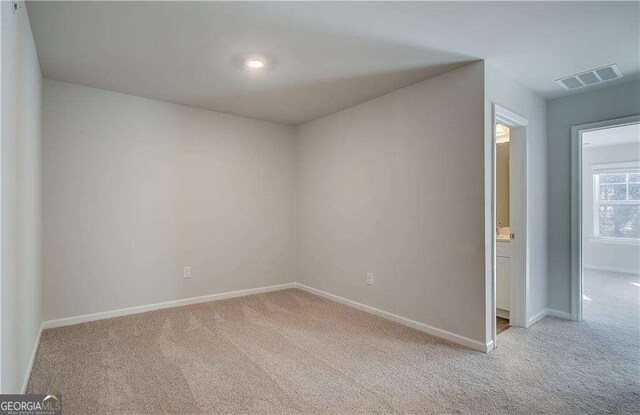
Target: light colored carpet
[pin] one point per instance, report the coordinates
(292, 352)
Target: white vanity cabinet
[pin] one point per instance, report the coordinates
(503, 275)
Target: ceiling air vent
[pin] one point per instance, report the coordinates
(592, 77)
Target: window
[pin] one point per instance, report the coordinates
(617, 201)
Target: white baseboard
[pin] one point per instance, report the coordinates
(539, 316)
(559, 314)
(612, 269)
(456, 338)
(168, 304)
(548, 312)
(27, 375)
(503, 313)
(489, 346)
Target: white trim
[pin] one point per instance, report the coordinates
(27, 375)
(551, 313)
(488, 347)
(491, 329)
(612, 269)
(2, 5)
(434, 331)
(613, 241)
(576, 224)
(595, 208)
(620, 165)
(577, 236)
(537, 317)
(502, 313)
(559, 314)
(504, 116)
(49, 324)
(519, 285)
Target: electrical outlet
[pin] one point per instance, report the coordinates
(186, 272)
(370, 278)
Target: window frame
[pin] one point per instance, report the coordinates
(608, 168)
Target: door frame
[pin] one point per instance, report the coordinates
(2, 6)
(576, 204)
(519, 286)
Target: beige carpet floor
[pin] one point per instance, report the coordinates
(293, 352)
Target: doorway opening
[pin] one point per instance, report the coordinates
(509, 218)
(606, 222)
(503, 229)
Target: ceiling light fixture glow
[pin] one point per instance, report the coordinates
(502, 134)
(254, 64)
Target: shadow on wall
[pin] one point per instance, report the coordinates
(328, 92)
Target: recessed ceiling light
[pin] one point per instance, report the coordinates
(254, 63)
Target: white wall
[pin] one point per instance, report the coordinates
(599, 253)
(511, 95)
(394, 186)
(602, 104)
(20, 198)
(135, 189)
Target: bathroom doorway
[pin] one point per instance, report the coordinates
(503, 228)
(510, 274)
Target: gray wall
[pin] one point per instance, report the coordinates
(602, 104)
(20, 221)
(394, 186)
(136, 189)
